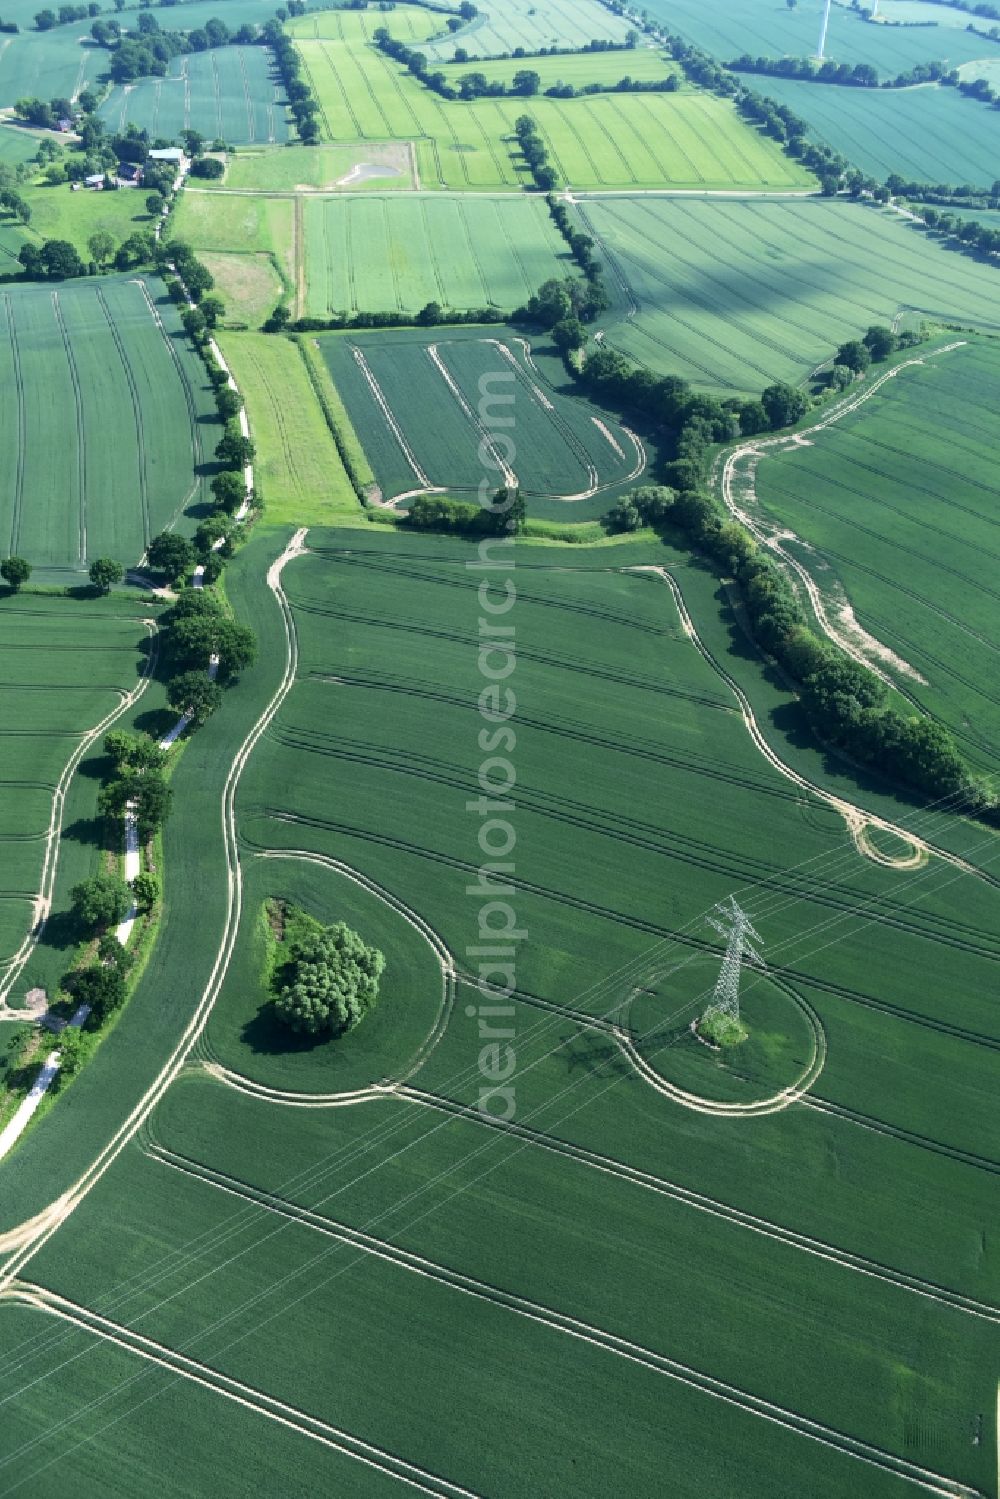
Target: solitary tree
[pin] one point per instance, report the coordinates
(15, 571)
(880, 341)
(855, 355)
(154, 204)
(146, 889)
(334, 984)
(171, 554)
(233, 449)
(134, 751)
(101, 901)
(101, 246)
(105, 572)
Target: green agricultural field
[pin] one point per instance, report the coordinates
(925, 134)
(503, 25)
(416, 400)
(580, 68)
(104, 434)
(18, 144)
(370, 254)
(899, 502)
(736, 294)
(281, 1244)
(298, 469)
(231, 93)
(322, 168)
(68, 665)
(620, 141)
(728, 28)
(50, 64)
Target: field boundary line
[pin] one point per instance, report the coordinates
(38, 1298)
(701, 1202)
(539, 1312)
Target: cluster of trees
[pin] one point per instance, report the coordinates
(564, 307)
(147, 51)
(505, 515)
(46, 19)
(332, 982)
(195, 635)
(582, 247)
(974, 237)
(860, 75)
(431, 315)
(686, 422)
(847, 704)
(302, 105)
(527, 84)
(535, 153)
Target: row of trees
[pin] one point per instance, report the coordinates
(505, 515)
(596, 44)
(969, 233)
(536, 154)
(432, 315)
(847, 704)
(303, 106)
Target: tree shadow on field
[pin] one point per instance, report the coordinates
(62, 931)
(586, 1053)
(156, 722)
(267, 1037)
(88, 830)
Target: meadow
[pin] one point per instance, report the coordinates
(619, 141)
(899, 500)
(298, 470)
(277, 1245)
(645, 64)
(728, 28)
(925, 134)
(238, 224)
(371, 253)
(102, 441)
(59, 213)
(227, 93)
(734, 295)
(347, 168)
(68, 663)
(413, 399)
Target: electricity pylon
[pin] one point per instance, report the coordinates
(733, 924)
